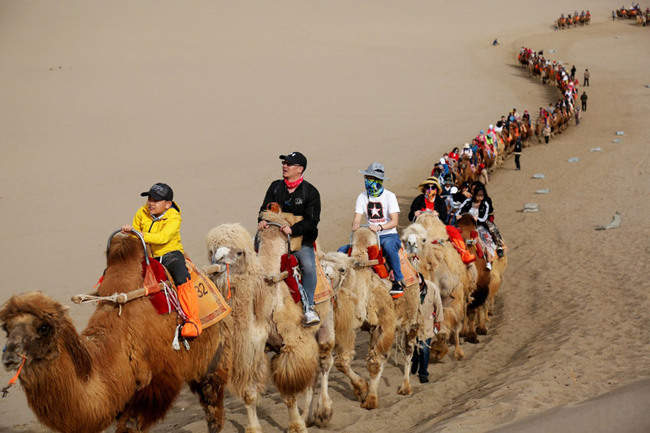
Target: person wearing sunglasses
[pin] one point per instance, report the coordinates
(301, 198)
(429, 200)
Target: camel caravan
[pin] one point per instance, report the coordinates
(565, 22)
(258, 314)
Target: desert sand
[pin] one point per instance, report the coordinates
(103, 99)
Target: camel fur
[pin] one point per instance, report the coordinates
(407, 306)
(488, 282)
(122, 367)
(363, 302)
(270, 319)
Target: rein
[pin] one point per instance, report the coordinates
(12, 381)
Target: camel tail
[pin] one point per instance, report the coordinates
(294, 368)
(384, 341)
(479, 296)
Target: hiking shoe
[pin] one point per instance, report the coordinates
(397, 289)
(488, 266)
(500, 252)
(311, 318)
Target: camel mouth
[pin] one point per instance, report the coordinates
(11, 361)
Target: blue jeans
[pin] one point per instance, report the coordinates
(307, 261)
(420, 360)
(390, 246)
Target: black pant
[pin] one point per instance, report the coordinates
(586, 83)
(174, 261)
(584, 105)
(517, 161)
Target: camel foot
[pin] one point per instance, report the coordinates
(472, 338)
(371, 402)
(253, 429)
(481, 330)
(459, 354)
(295, 427)
(323, 416)
(361, 392)
(405, 389)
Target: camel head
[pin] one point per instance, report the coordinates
(33, 322)
(337, 267)
(124, 248)
(466, 224)
(414, 238)
(232, 245)
(435, 228)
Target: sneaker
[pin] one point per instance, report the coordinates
(311, 318)
(488, 266)
(500, 252)
(397, 289)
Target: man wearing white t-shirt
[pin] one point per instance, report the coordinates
(379, 207)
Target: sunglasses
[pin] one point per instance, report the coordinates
(288, 165)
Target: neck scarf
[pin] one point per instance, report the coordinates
(294, 184)
(374, 187)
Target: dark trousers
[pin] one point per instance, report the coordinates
(420, 360)
(517, 162)
(584, 105)
(174, 261)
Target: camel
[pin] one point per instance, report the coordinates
(407, 306)
(363, 302)
(272, 320)
(122, 367)
(487, 281)
(465, 172)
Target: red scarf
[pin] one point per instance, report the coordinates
(294, 184)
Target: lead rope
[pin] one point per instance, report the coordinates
(228, 279)
(12, 381)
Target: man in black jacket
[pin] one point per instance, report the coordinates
(299, 197)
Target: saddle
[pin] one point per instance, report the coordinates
(212, 306)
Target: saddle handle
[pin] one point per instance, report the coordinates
(134, 232)
(364, 225)
(278, 225)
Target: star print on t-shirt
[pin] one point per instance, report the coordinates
(375, 211)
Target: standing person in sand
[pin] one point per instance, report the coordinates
(301, 198)
(159, 221)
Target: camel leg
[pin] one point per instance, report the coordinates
(481, 326)
(323, 411)
(211, 392)
(296, 423)
(470, 335)
(250, 399)
(458, 352)
(375, 362)
(343, 362)
(405, 389)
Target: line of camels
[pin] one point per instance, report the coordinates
(122, 371)
(572, 20)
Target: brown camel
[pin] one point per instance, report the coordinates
(273, 321)
(122, 367)
(488, 282)
(363, 302)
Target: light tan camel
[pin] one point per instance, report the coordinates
(270, 319)
(363, 302)
(122, 367)
(432, 258)
(407, 307)
(487, 282)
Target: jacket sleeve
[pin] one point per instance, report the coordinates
(464, 207)
(415, 206)
(171, 228)
(441, 208)
(486, 212)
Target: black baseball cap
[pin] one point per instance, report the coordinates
(295, 158)
(160, 191)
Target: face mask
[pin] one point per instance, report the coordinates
(374, 187)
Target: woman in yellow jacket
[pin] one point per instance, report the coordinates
(159, 221)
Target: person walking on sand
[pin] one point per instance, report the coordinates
(517, 153)
(584, 98)
(586, 78)
(573, 72)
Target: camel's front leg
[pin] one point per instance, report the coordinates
(250, 399)
(343, 362)
(296, 423)
(323, 412)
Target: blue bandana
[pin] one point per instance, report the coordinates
(374, 187)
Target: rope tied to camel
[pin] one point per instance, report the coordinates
(13, 380)
(115, 298)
